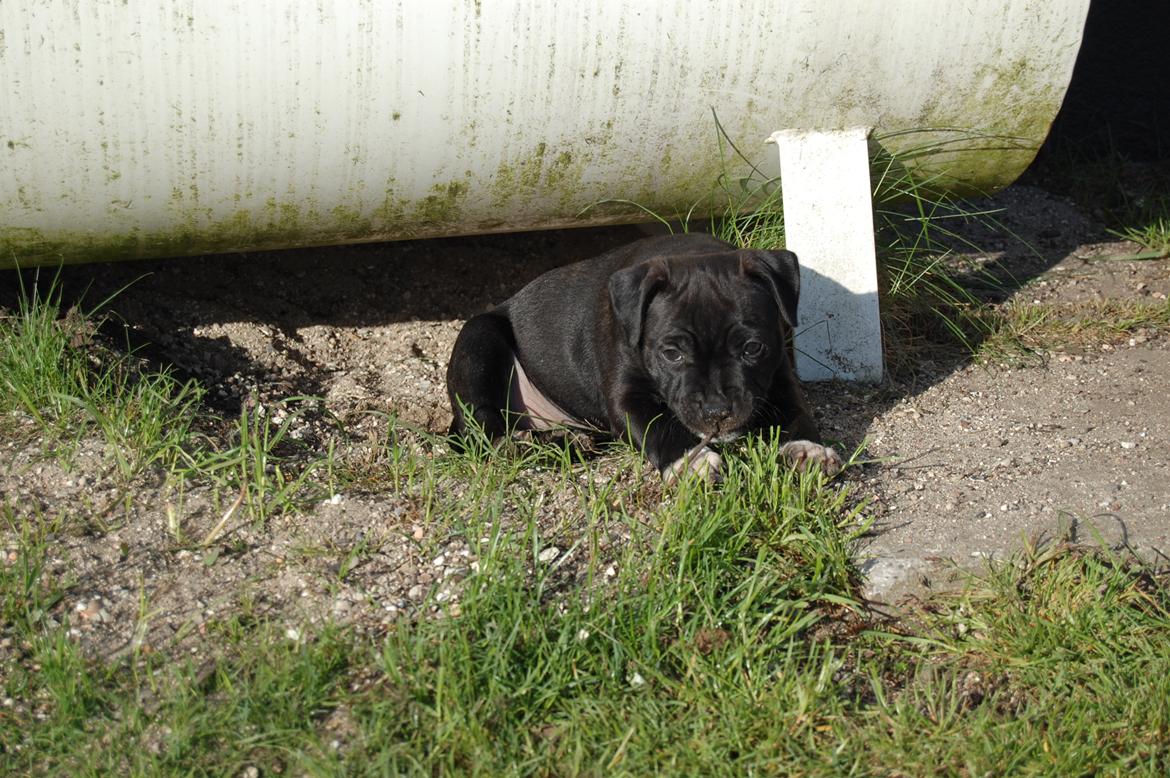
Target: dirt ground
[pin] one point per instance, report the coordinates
(964, 462)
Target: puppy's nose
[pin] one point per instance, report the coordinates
(715, 409)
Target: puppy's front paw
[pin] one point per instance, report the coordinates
(703, 462)
(803, 454)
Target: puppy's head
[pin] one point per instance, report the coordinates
(710, 331)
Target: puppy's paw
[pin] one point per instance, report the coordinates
(803, 454)
(703, 461)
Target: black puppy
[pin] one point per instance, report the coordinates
(673, 342)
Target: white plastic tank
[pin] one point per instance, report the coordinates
(138, 128)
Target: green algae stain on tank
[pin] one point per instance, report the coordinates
(273, 224)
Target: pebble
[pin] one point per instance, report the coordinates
(548, 554)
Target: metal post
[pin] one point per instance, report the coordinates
(828, 223)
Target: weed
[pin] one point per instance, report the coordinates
(27, 593)
(252, 468)
(1149, 227)
(1022, 332)
(52, 370)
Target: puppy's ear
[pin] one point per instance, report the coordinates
(780, 270)
(630, 292)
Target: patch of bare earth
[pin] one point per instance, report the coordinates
(1067, 441)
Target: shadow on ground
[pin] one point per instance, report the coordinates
(381, 317)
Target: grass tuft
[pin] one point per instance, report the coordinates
(54, 372)
(1023, 332)
(59, 378)
(1149, 227)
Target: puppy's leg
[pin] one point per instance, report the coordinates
(796, 422)
(478, 374)
(803, 454)
(701, 460)
(670, 446)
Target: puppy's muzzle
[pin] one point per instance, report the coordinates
(717, 416)
(714, 411)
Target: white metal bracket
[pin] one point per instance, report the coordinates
(828, 223)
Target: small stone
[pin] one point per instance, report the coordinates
(1128, 444)
(294, 634)
(548, 554)
(636, 680)
(90, 611)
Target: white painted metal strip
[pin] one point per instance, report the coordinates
(828, 222)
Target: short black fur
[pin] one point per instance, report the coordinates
(666, 342)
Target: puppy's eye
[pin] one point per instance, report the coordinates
(753, 348)
(672, 355)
